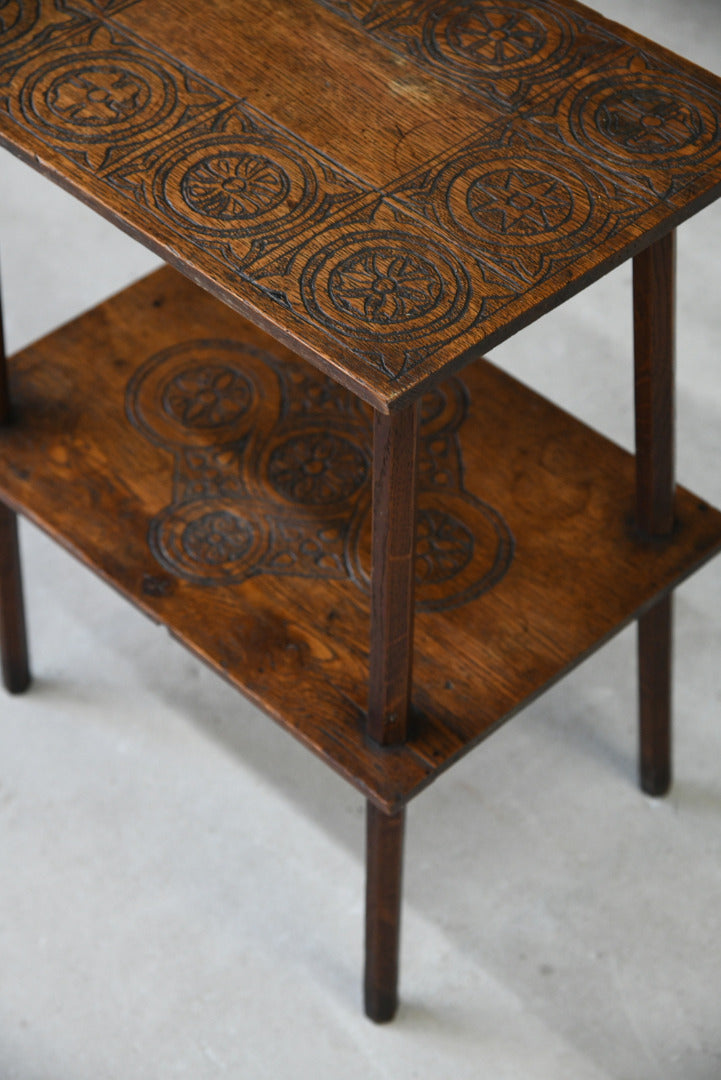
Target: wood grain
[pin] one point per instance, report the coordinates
(655, 697)
(13, 636)
(384, 887)
(527, 556)
(654, 303)
(395, 457)
(387, 189)
(493, 165)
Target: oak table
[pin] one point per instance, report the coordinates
(285, 446)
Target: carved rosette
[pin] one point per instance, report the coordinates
(516, 199)
(647, 117)
(202, 394)
(209, 541)
(496, 40)
(94, 95)
(386, 286)
(531, 209)
(463, 548)
(318, 468)
(273, 476)
(226, 185)
(210, 396)
(506, 53)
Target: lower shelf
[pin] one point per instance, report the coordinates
(224, 486)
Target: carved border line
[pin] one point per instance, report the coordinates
(525, 45)
(359, 266)
(272, 467)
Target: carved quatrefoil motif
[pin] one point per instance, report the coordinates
(273, 467)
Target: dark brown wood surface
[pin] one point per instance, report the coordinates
(654, 302)
(13, 637)
(224, 486)
(393, 538)
(384, 890)
(654, 305)
(387, 187)
(655, 697)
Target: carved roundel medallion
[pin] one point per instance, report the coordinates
(516, 202)
(17, 17)
(519, 200)
(108, 96)
(443, 408)
(202, 391)
(652, 120)
(463, 548)
(228, 185)
(209, 541)
(492, 39)
(234, 186)
(317, 468)
(384, 285)
(207, 396)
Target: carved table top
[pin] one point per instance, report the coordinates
(388, 186)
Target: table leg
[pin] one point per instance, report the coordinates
(13, 637)
(654, 346)
(395, 454)
(384, 856)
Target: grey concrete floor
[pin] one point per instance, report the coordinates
(181, 884)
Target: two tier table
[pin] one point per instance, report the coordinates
(285, 445)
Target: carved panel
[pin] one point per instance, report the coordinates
(390, 292)
(641, 119)
(17, 19)
(30, 24)
(272, 476)
(96, 98)
(591, 135)
(236, 186)
(508, 54)
(532, 210)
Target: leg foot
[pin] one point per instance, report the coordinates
(13, 638)
(384, 859)
(654, 668)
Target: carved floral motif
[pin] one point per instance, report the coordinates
(389, 273)
(216, 538)
(444, 546)
(518, 202)
(648, 120)
(234, 186)
(495, 33)
(102, 94)
(272, 475)
(317, 468)
(207, 396)
(385, 285)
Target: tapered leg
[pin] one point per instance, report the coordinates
(384, 867)
(654, 345)
(13, 638)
